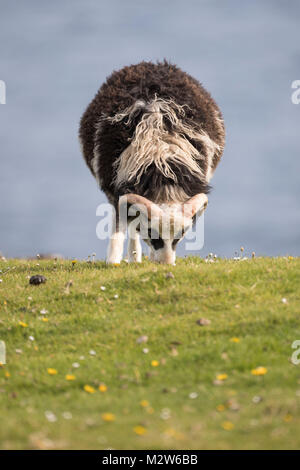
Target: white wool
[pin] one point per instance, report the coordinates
(152, 143)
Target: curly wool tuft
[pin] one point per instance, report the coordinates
(152, 142)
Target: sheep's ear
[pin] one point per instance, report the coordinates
(142, 204)
(195, 206)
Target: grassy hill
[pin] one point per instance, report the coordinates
(132, 357)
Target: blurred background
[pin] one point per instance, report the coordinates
(55, 55)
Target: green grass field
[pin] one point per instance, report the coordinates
(189, 386)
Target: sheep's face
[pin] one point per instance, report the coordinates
(164, 233)
(163, 226)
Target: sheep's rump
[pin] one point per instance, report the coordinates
(153, 130)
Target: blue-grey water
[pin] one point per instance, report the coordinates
(54, 56)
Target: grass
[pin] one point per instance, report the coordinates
(179, 403)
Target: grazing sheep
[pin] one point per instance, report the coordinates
(152, 137)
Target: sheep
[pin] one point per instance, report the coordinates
(152, 137)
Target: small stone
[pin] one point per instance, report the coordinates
(165, 414)
(256, 399)
(142, 339)
(233, 405)
(170, 275)
(37, 280)
(203, 322)
(218, 382)
(50, 416)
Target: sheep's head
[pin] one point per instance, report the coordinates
(162, 226)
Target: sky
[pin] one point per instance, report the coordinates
(55, 55)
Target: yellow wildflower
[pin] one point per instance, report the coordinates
(45, 319)
(22, 324)
(220, 407)
(149, 410)
(227, 425)
(70, 377)
(7, 375)
(222, 376)
(288, 418)
(154, 363)
(140, 430)
(144, 403)
(102, 388)
(89, 389)
(259, 371)
(51, 371)
(108, 417)
(235, 340)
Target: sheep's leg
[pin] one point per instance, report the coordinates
(134, 247)
(116, 242)
(151, 254)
